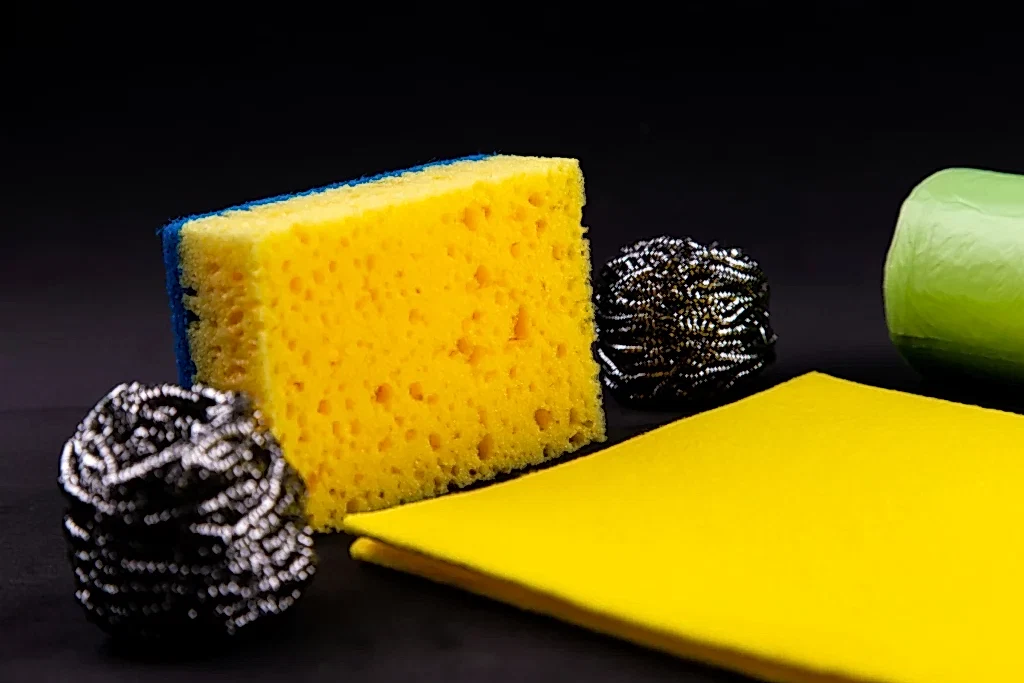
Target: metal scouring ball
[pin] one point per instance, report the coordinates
(679, 323)
(183, 519)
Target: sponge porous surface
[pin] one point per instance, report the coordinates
(404, 335)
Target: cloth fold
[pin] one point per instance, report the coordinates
(819, 531)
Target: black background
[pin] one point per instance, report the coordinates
(795, 142)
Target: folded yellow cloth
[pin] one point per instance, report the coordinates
(818, 531)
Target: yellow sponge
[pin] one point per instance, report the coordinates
(404, 334)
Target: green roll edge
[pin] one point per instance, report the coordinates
(958, 325)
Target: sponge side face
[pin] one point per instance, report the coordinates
(408, 335)
(170, 237)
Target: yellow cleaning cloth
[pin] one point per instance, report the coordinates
(818, 531)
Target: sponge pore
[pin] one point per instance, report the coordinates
(401, 335)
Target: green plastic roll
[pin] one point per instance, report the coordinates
(954, 275)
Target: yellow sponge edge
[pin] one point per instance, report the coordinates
(403, 336)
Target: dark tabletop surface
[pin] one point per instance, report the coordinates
(805, 172)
